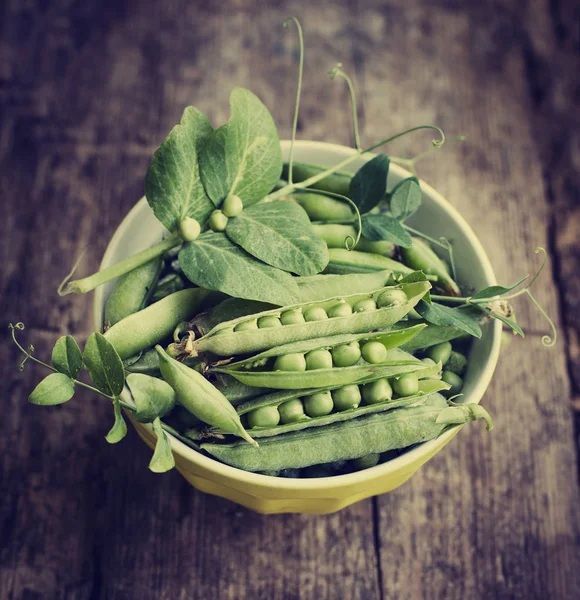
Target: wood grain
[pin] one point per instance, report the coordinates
(88, 90)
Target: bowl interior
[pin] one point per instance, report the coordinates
(436, 217)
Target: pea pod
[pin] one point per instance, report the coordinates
(235, 391)
(338, 183)
(142, 330)
(244, 335)
(346, 440)
(421, 257)
(257, 371)
(426, 389)
(323, 287)
(341, 261)
(132, 291)
(196, 394)
(335, 236)
(319, 207)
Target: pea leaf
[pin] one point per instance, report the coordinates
(173, 185)
(213, 262)
(281, 235)
(413, 278)
(162, 459)
(243, 156)
(104, 365)
(67, 357)
(119, 429)
(381, 226)
(56, 388)
(507, 321)
(405, 198)
(496, 290)
(445, 316)
(153, 397)
(369, 184)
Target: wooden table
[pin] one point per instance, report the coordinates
(88, 90)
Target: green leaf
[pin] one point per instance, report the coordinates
(67, 357)
(162, 459)
(153, 397)
(381, 226)
(445, 316)
(214, 263)
(496, 290)
(243, 156)
(413, 278)
(509, 322)
(405, 198)
(281, 235)
(172, 184)
(104, 365)
(56, 388)
(119, 429)
(369, 184)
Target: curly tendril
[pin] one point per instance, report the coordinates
(298, 90)
(350, 243)
(337, 71)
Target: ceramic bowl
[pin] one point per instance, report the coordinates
(264, 494)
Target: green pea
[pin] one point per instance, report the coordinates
(269, 321)
(346, 355)
(456, 363)
(377, 391)
(454, 381)
(440, 352)
(374, 352)
(246, 326)
(318, 404)
(315, 313)
(430, 363)
(232, 206)
(392, 297)
(218, 221)
(291, 411)
(346, 397)
(367, 304)
(406, 385)
(189, 229)
(290, 362)
(266, 416)
(342, 309)
(293, 316)
(365, 462)
(318, 359)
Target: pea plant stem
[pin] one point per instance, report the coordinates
(87, 284)
(291, 187)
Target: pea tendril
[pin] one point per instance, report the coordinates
(298, 90)
(337, 71)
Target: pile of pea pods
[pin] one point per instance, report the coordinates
(348, 378)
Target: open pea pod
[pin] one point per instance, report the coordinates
(244, 335)
(258, 371)
(346, 440)
(427, 388)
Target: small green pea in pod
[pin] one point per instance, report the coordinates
(241, 336)
(427, 388)
(421, 257)
(348, 440)
(284, 367)
(196, 394)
